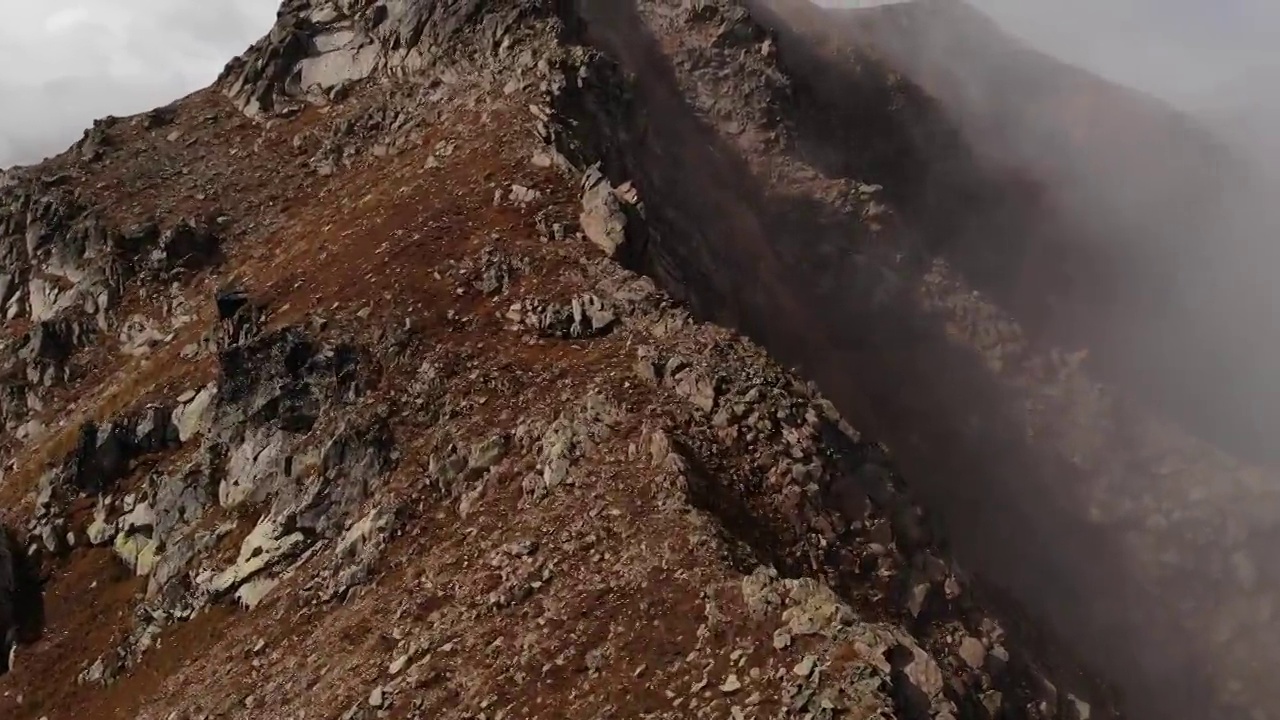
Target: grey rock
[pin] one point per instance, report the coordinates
(266, 546)
(1077, 709)
(922, 672)
(584, 316)
(973, 652)
(358, 549)
(316, 48)
(101, 530)
(602, 219)
(193, 414)
(488, 453)
(697, 388)
(255, 463)
(181, 499)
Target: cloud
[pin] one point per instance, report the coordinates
(1184, 51)
(64, 63)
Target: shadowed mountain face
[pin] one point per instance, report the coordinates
(1059, 389)
(1144, 233)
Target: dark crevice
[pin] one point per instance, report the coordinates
(22, 614)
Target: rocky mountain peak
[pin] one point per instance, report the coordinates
(318, 49)
(451, 358)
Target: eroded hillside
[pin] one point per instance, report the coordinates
(377, 381)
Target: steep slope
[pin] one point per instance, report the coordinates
(842, 217)
(320, 402)
(326, 394)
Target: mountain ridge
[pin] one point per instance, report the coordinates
(349, 336)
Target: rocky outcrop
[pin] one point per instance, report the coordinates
(55, 255)
(63, 272)
(283, 430)
(318, 48)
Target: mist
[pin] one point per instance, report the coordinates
(1151, 133)
(1203, 57)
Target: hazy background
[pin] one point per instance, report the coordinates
(64, 63)
(1219, 59)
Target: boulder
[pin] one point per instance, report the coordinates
(602, 219)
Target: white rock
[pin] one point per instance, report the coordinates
(804, 668)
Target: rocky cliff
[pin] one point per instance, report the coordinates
(378, 380)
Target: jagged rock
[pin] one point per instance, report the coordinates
(239, 319)
(170, 585)
(192, 416)
(140, 519)
(351, 463)
(13, 403)
(101, 456)
(1077, 709)
(569, 438)
(101, 530)
(973, 652)
(255, 462)
(180, 499)
(252, 593)
(813, 608)
(603, 220)
(104, 670)
(50, 346)
(159, 117)
(283, 379)
(922, 679)
(694, 386)
(265, 547)
(488, 453)
(357, 550)
(155, 431)
(186, 245)
(96, 140)
(585, 316)
(53, 536)
(137, 551)
(316, 47)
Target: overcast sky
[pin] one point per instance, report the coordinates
(1181, 50)
(65, 62)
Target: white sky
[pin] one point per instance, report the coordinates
(1178, 49)
(65, 62)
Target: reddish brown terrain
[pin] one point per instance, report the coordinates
(452, 359)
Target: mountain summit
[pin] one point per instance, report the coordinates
(532, 358)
